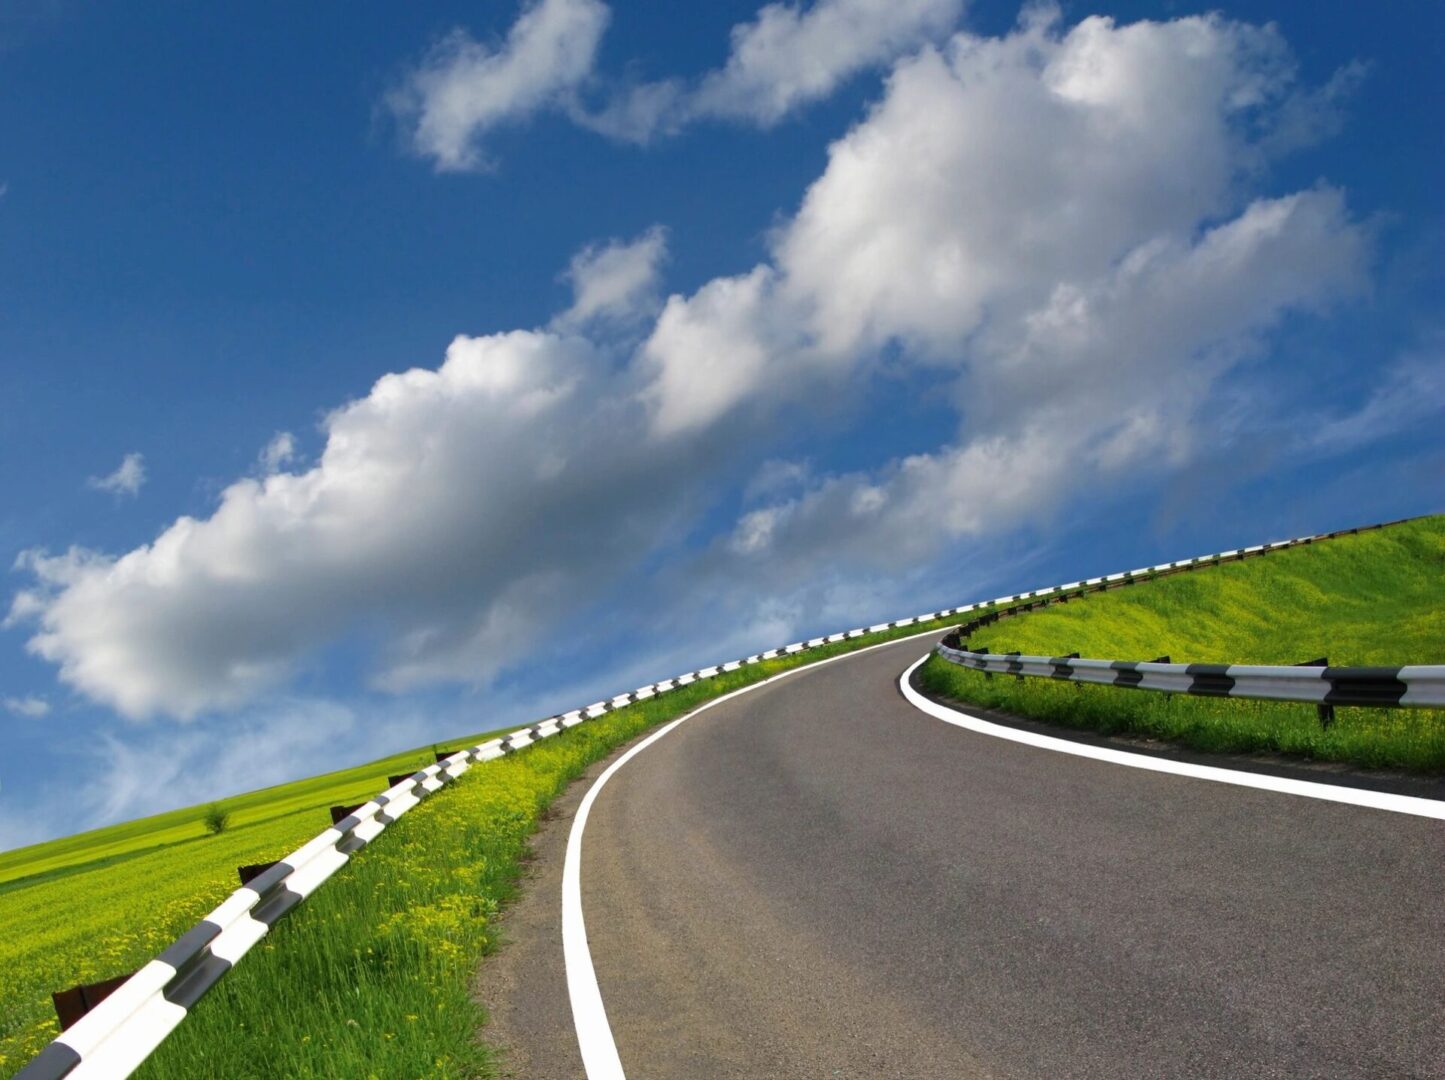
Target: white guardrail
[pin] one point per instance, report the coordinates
(110, 1041)
(1419, 685)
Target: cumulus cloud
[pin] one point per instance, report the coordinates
(715, 349)
(453, 514)
(1000, 192)
(127, 479)
(1064, 230)
(31, 706)
(616, 281)
(1054, 216)
(464, 89)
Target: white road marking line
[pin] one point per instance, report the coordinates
(589, 1016)
(1375, 800)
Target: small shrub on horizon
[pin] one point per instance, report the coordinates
(216, 819)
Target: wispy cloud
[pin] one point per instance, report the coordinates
(1410, 392)
(464, 89)
(126, 774)
(788, 56)
(31, 706)
(616, 281)
(277, 453)
(127, 479)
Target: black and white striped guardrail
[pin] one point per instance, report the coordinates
(1420, 685)
(110, 1041)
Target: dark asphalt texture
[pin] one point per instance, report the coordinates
(817, 880)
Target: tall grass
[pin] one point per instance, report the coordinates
(1375, 598)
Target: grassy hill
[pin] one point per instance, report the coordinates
(1375, 598)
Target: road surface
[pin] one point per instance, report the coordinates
(815, 879)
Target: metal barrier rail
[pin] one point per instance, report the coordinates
(110, 1041)
(1419, 685)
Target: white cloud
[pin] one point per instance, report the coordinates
(789, 55)
(792, 55)
(31, 706)
(1016, 164)
(616, 281)
(1065, 227)
(277, 453)
(464, 89)
(453, 515)
(1054, 215)
(638, 112)
(713, 350)
(127, 479)
(997, 182)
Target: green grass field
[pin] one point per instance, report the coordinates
(101, 903)
(1375, 598)
(370, 976)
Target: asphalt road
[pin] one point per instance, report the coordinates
(817, 880)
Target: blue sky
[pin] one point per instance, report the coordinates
(829, 313)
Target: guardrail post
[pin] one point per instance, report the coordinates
(72, 1004)
(1325, 712)
(251, 871)
(1168, 697)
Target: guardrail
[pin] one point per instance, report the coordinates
(110, 1041)
(1420, 685)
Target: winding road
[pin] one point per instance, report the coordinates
(816, 879)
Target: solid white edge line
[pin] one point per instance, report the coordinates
(1374, 800)
(589, 1016)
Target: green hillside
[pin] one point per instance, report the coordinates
(1375, 598)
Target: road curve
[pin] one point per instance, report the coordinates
(817, 880)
